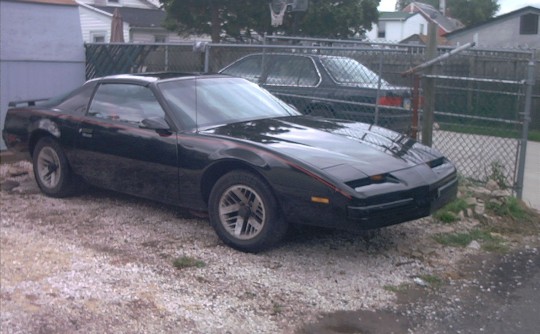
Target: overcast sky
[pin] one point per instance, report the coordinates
(506, 5)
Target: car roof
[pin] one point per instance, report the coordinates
(311, 55)
(150, 77)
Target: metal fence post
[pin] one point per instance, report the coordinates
(526, 119)
(415, 106)
(429, 88)
(167, 57)
(379, 84)
(206, 58)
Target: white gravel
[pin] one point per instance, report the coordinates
(103, 262)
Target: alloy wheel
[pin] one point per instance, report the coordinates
(242, 212)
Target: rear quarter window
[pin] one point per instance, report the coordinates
(76, 102)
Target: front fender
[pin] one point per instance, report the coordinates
(244, 155)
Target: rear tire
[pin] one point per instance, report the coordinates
(244, 212)
(51, 169)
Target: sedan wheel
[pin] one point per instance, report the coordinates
(51, 169)
(244, 212)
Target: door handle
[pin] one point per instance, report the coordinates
(86, 132)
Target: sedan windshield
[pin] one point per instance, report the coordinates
(350, 72)
(206, 102)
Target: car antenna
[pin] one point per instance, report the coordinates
(196, 104)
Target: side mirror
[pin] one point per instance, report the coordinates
(155, 123)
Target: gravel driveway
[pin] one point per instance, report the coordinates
(103, 262)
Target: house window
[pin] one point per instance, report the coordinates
(421, 29)
(528, 24)
(113, 2)
(382, 30)
(97, 36)
(160, 39)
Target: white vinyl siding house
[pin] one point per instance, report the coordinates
(396, 26)
(96, 25)
(143, 22)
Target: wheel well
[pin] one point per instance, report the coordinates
(35, 137)
(213, 174)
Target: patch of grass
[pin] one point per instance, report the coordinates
(249, 295)
(276, 308)
(534, 135)
(511, 208)
(480, 130)
(514, 217)
(432, 280)
(396, 288)
(187, 262)
(489, 242)
(449, 213)
(495, 246)
(446, 216)
(456, 205)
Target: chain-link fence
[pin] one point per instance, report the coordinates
(106, 59)
(479, 94)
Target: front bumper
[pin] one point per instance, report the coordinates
(413, 204)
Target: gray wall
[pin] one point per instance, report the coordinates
(41, 52)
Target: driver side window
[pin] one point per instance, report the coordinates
(124, 103)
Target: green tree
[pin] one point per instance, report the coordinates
(469, 12)
(338, 19)
(238, 18)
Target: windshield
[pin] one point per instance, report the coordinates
(350, 72)
(206, 102)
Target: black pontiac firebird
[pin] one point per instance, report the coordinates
(223, 145)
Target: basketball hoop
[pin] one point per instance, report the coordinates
(277, 15)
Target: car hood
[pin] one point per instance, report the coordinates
(342, 148)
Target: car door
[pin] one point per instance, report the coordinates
(115, 151)
(296, 80)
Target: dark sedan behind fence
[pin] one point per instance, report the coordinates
(328, 86)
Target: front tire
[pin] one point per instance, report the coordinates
(51, 169)
(244, 212)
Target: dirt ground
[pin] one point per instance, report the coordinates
(101, 262)
(494, 294)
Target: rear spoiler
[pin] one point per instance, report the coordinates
(25, 103)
